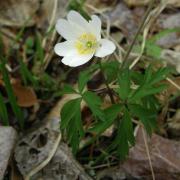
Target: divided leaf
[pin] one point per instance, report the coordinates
(94, 103)
(124, 84)
(111, 114)
(68, 112)
(111, 70)
(67, 89)
(71, 122)
(149, 84)
(125, 136)
(146, 116)
(84, 77)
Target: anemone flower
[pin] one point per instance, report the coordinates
(83, 40)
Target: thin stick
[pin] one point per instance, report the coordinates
(137, 33)
(52, 20)
(148, 154)
(150, 19)
(173, 83)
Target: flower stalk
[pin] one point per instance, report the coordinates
(110, 93)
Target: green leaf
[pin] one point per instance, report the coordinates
(145, 91)
(17, 111)
(68, 111)
(124, 84)
(94, 103)
(3, 112)
(67, 89)
(111, 70)
(151, 102)
(159, 75)
(77, 5)
(72, 123)
(26, 74)
(84, 77)
(39, 49)
(29, 43)
(111, 114)
(137, 77)
(125, 136)
(146, 116)
(1, 44)
(148, 85)
(148, 75)
(153, 50)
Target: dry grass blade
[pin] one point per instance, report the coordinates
(148, 24)
(148, 154)
(46, 161)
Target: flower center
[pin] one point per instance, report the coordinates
(86, 44)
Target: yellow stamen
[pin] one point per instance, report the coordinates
(86, 44)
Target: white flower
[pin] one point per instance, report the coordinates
(83, 40)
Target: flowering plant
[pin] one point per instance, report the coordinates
(132, 94)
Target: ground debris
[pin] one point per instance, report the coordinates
(20, 13)
(62, 166)
(34, 147)
(174, 125)
(17, 12)
(172, 3)
(164, 155)
(8, 138)
(122, 18)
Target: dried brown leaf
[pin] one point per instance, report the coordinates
(173, 3)
(164, 155)
(26, 96)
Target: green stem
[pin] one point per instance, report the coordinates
(106, 83)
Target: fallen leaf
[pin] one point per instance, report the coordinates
(137, 3)
(174, 125)
(101, 4)
(26, 96)
(169, 41)
(164, 155)
(1, 81)
(122, 17)
(17, 12)
(172, 21)
(171, 58)
(165, 158)
(173, 3)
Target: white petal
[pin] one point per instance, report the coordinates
(106, 47)
(95, 25)
(65, 48)
(76, 19)
(66, 30)
(76, 60)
